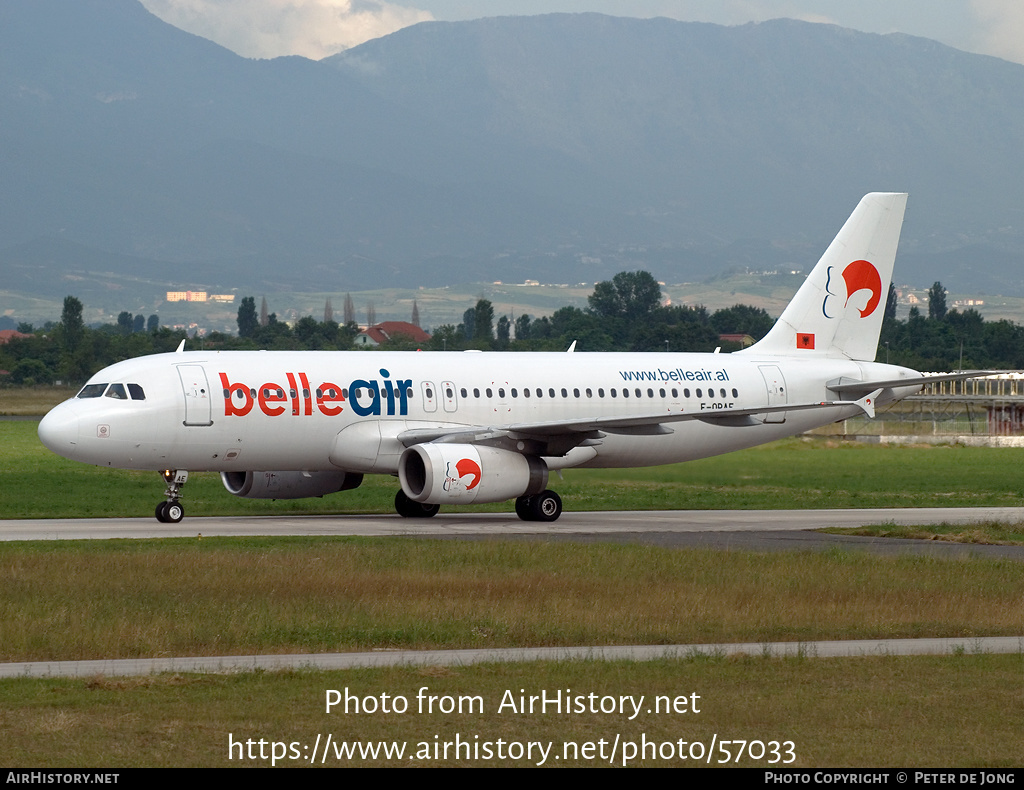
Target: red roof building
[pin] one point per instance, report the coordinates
(7, 335)
(391, 330)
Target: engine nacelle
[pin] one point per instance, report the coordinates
(457, 474)
(288, 485)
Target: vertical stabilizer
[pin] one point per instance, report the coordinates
(838, 310)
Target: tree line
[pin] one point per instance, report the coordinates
(625, 313)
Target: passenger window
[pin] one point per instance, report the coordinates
(117, 392)
(92, 390)
(136, 392)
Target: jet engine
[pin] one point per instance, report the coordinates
(288, 485)
(457, 474)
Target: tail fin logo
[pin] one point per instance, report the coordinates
(857, 276)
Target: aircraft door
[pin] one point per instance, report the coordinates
(429, 396)
(777, 396)
(449, 396)
(198, 404)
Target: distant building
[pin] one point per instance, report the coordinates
(223, 298)
(388, 330)
(743, 340)
(187, 296)
(7, 335)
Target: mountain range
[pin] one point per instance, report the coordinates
(561, 148)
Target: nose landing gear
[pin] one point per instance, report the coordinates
(171, 511)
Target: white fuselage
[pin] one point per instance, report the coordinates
(322, 410)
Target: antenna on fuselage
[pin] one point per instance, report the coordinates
(571, 348)
(181, 347)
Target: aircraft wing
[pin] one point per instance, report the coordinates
(570, 433)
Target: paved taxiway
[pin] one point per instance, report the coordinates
(454, 524)
(759, 530)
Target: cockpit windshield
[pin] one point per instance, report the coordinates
(116, 391)
(92, 390)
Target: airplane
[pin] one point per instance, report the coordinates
(458, 428)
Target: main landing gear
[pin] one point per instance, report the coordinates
(171, 511)
(410, 508)
(545, 506)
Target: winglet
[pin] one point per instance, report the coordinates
(181, 347)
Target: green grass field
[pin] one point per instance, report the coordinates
(73, 600)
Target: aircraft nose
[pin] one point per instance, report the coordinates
(58, 430)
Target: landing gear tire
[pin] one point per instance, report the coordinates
(169, 512)
(545, 506)
(409, 508)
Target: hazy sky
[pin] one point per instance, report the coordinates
(317, 28)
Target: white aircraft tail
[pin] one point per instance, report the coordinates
(838, 310)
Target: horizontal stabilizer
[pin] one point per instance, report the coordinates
(853, 386)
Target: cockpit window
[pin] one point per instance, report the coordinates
(92, 390)
(136, 392)
(117, 392)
